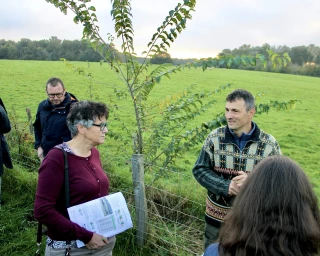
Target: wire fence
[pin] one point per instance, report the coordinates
(175, 202)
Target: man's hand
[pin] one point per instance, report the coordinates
(240, 178)
(97, 241)
(236, 183)
(40, 153)
(233, 188)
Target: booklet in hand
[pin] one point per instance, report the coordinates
(107, 216)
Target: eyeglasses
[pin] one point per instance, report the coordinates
(58, 95)
(102, 126)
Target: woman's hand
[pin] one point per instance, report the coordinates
(97, 241)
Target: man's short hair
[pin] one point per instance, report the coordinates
(54, 81)
(242, 94)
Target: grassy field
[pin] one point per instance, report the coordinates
(22, 86)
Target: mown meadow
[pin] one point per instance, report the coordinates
(22, 85)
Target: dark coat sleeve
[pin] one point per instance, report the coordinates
(4, 150)
(5, 126)
(37, 129)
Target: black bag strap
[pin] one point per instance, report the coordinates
(67, 199)
(39, 238)
(66, 179)
(66, 192)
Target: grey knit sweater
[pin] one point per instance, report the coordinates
(220, 160)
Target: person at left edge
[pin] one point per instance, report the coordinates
(87, 181)
(50, 128)
(5, 158)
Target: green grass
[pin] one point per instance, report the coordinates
(22, 86)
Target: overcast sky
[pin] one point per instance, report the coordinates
(216, 25)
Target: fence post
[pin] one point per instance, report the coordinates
(29, 120)
(140, 197)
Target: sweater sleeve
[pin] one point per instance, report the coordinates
(203, 172)
(49, 201)
(277, 149)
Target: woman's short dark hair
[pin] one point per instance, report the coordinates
(275, 213)
(85, 113)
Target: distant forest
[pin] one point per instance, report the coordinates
(305, 60)
(73, 50)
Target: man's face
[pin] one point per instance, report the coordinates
(239, 119)
(55, 94)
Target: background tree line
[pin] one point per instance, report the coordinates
(73, 50)
(305, 60)
(52, 49)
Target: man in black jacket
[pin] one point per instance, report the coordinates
(50, 128)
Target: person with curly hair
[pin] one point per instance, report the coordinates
(87, 122)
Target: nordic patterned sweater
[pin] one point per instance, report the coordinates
(220, 160)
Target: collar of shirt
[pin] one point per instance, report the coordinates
(241, 141)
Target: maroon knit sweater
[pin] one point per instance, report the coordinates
(87, 181)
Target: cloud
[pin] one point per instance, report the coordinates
(216, 25)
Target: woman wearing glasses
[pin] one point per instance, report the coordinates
(87, 181)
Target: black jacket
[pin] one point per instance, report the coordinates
(5, 127)
(50, 127)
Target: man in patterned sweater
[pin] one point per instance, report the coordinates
(228, 154)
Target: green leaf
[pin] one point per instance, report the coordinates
(273, 56)
(174, 20)
(177, 7)
(221, 62)
(76, 19)
(175, 34)
(178, 16)
(284, 62)
(154, 36)
(279, 61)
(253, 62)
(167, 43)
(229, 62)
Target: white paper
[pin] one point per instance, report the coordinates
(107, 216)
